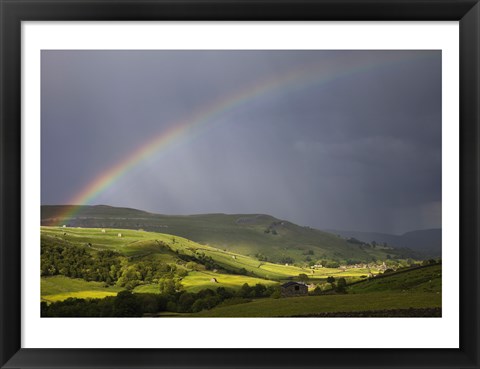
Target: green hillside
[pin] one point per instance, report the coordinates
(311, 305)
(260, 236)
(425, 279)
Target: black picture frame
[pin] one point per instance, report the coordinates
(13, 12)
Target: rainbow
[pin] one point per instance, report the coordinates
(298, 79)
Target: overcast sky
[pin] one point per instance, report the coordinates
(346, 140)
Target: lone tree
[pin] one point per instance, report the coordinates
(331, 280)
(341, 285)
(302, 277)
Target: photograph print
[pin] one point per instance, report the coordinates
(241, 183)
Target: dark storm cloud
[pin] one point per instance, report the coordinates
(361, 151)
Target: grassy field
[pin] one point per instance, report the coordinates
(196, 281)
(298, 306)
(126, 242)
(60, 288)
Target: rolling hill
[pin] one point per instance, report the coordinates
(255, 235)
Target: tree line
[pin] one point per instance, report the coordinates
(128, 304)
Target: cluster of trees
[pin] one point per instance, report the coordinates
(302, 277)
(287, 260)
(107, 266)
(128, 304)
(354, 261)
(432, 262)
(199, 258)
(148, 271)
(261, 257)
(76, 262)
(362, 244)
(355, 241)
(336, 285)
(272, 228)
(208, 261)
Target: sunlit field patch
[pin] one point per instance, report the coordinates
(59, 288)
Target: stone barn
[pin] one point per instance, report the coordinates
(290, 289)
